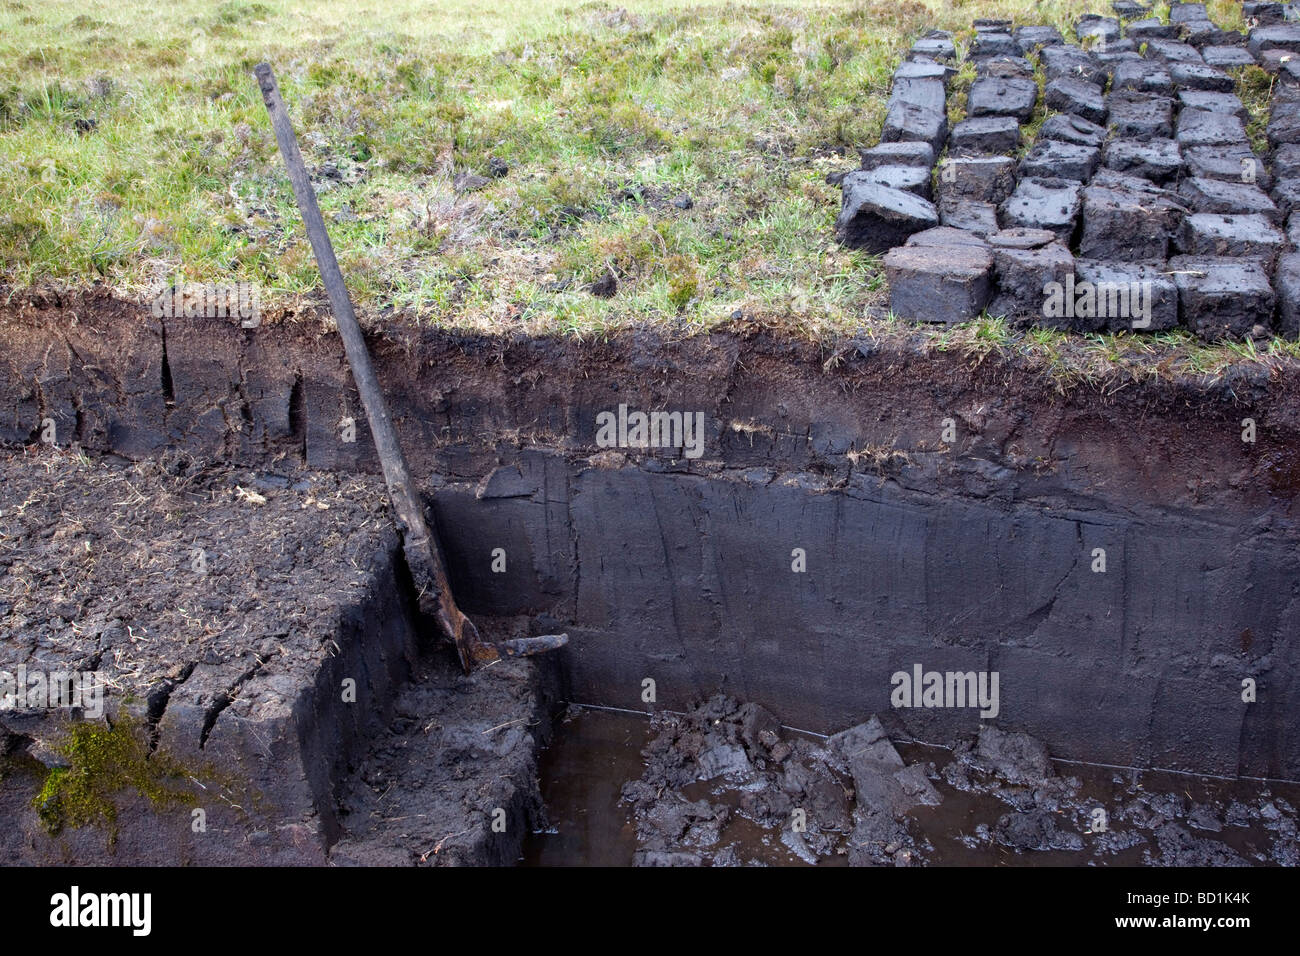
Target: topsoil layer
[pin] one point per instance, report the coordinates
(113, 378)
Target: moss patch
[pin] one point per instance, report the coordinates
(104, 761)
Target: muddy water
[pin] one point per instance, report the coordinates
(594, 752)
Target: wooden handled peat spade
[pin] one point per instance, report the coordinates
(421, 547)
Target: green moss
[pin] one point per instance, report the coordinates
(683, 283)
(234, 12)
(104, 762)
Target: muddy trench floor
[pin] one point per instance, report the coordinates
(724, 784)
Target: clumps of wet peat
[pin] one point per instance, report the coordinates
(1118, 820)
(1016, 769)
(724, 785)
(722, 762)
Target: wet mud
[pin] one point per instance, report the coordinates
(725, 785)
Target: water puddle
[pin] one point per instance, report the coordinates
(593, 753)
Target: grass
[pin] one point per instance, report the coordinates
(135, 150)
(1114, 359)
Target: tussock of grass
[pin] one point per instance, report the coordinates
(136, 150)
(1255, 87)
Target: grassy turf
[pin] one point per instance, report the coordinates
(135, 149)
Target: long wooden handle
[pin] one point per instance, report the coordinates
(423, 552)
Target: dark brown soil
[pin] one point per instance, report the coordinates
(641, 558)
(1140, 431)
(453, 780)
(102, 566)
(232, 673)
